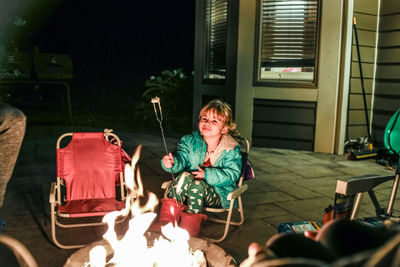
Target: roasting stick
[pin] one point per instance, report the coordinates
(159, 116)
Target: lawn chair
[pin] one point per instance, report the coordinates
(89, 172)
(247, 173)
(359, 185)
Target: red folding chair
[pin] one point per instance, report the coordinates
(89, 171)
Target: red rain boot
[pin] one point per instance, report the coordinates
(170, 212)
(191, 222)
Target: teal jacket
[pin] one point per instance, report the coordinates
(226, 162)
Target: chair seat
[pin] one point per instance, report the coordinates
(91, 207)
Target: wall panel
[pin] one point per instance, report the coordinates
(365, 21)
(284, 124)
(389, 39)
(357, 101)
(388, 72)
(367, 54)
(390, 55)
(390, 22)
(366, 6)
(356, 131)
(367, 69)
(355, 84)
(387, 85)
(390, 7)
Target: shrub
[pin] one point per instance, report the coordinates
(175, 90)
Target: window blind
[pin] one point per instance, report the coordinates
(217, 14)
(289, 33)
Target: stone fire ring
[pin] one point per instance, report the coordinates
(215, 255)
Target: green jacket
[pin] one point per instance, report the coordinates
(226, 162)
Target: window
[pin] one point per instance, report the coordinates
(287, 42)
(216, 28)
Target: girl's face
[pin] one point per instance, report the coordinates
(211, 125)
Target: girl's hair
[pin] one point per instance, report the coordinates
(224, 111)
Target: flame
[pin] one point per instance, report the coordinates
(97, 256)
(132, 248)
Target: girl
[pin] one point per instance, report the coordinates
(209, 163)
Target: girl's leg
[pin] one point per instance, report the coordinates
(201, 194)
(212, 199)
(179, 187)
(197, 193)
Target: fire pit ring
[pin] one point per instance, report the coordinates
(215, 255)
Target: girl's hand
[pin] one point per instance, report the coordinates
(199, 174)
(168, 161)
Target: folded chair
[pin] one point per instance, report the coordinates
(247, 173)
(89, 173)
(359, 185)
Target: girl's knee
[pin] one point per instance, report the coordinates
(11, 114)
(185, 177)
(183, 181)
(196, 188)
(12, 119)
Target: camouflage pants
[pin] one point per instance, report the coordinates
(195, 193)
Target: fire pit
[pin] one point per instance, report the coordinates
(215, 255)
(139, 247)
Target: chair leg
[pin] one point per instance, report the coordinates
(228, 222)
(53, 230)
(241, 211)
(393, 195)
(356, 206)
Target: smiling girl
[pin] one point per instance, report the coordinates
(209, 163)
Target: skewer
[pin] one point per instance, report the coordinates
(159, 116)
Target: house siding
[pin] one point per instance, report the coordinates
(365, 12)
(284, 124)
(387, 84)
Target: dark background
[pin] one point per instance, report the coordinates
(115, 45)
(119, 44)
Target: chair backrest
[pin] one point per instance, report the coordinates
(89, 165)
(247, 168)
(391, 138)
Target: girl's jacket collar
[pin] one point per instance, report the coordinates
(227, 143)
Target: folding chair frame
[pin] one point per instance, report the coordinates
(359, 185)
(55, 199)
(232, 196)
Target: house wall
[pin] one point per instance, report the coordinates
(294, 118)
(204, 91)
(387, 84)
(254, 102)
(366, 14)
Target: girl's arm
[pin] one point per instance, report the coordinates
(228, 173)
(180, 157)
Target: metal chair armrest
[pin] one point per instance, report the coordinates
(52, 196)
(166, 184)
(237, 192)
(22, 254)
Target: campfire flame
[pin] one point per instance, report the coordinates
(132, 248)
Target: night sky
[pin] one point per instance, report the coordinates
(119, 44)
